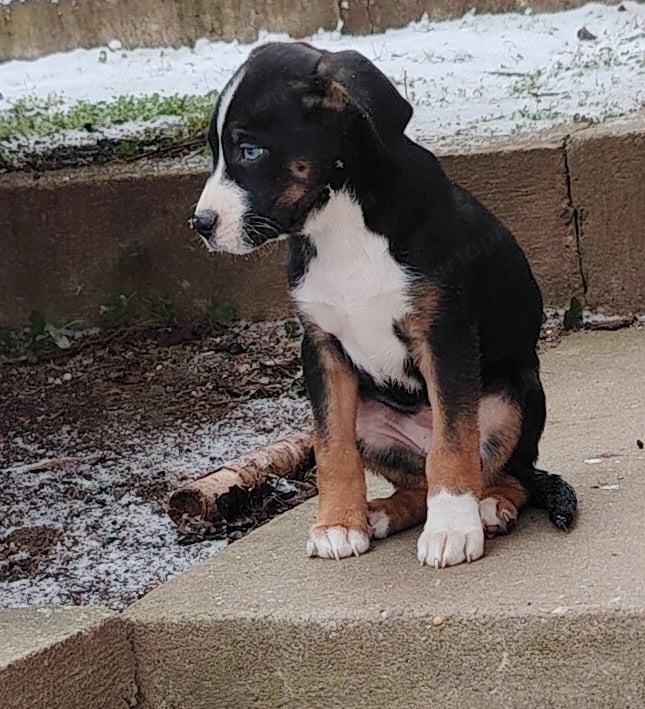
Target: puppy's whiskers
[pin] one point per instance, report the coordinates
(260, 229)
(257, 220)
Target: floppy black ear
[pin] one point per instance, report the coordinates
(351, 79)
(291, 59)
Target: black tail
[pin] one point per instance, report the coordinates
(549, 492)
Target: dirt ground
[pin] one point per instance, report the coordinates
(94, 438)
(148, 378)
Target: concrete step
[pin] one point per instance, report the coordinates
(545, 619)
(65, 658)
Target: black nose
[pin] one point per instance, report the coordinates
(204, 222)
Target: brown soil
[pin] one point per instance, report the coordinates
(148, 378)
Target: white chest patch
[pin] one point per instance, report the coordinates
(355, 290)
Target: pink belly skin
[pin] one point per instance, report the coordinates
(382, 427)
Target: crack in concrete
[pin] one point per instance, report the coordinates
(574, 213)
(344, 10)
(370, 19)
(138, 697)
(339, 12)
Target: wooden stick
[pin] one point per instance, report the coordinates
(215, 495)
(54, 464)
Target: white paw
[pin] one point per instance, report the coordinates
(495, 520)
(379, 523)
(337, 542)
(453, 531)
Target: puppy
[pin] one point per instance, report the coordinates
(420, 311)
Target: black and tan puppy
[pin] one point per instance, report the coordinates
(420, 311)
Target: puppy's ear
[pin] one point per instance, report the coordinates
(287, 58)
(347, 82)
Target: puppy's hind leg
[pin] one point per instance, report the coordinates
(500, 423)
(500, 504)
(404, 508)
(544, 490)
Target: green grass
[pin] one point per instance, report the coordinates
(34, 131)
(31, 116)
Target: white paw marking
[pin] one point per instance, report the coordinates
(379, 523)
(337, 542)
(453, 531)
(494, 520)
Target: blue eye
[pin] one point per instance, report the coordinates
(251, 152)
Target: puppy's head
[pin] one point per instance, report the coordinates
(291, 123)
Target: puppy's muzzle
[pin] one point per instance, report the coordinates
(204, 222)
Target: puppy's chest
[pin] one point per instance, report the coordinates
(353, 289)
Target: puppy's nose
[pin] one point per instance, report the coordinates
(204, 222)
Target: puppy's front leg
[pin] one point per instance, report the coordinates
(447, 358)
(341, 528)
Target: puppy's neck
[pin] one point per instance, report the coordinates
(381, 180)
(403, 195)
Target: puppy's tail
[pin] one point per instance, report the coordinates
(550, 492)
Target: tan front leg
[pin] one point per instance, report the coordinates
(341, 528)
(453, 530)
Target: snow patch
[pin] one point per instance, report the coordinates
(469, 78)
(113, 541)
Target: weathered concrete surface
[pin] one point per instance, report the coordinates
(367, 16)
(34, 28)
(607, 168)
(72, 239)
(545, 619)
(524, 183)
(65, 658)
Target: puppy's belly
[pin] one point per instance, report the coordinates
(380, 427)
(391, 439)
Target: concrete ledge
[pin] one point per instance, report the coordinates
(73, 238)
(524, 182)
(607, 168)
(65, 658)
(33, 28)
(401, 662)
(544, 619)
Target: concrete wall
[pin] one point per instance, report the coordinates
(33, 28)
(72, 239)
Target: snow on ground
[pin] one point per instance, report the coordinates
(476, 76)
(108, 542)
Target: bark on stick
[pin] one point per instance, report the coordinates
(216, 494)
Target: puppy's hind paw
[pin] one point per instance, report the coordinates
(379, 523)
(498, 516)
(337, 542)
